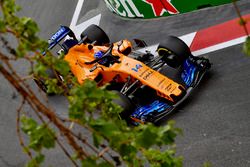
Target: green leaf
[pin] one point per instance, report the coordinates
(40, 136)
(2, 26)
(36, 161)
(40, 158)
(32, 163)
(40, 70)
(52, 86)
(30, 25)
(9, 7)
(22, 49)
(93, 162)
(168, 133)
(207, 164)
(105, 128)
(28, 125)
(26, 150)
(147, 137)
(62, 67)
(104, 164)
(89, 162)
(246, 46)
(160, 158)
(97, 139)
(35, 144)
(48, 137)
(127, 150)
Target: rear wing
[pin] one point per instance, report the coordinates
(61, 33)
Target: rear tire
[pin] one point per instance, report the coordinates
(174, 51)
(69, 43)
(40, 82)
(95, 33)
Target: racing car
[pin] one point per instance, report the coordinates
(150, 85)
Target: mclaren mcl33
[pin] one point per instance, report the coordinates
(150, 85)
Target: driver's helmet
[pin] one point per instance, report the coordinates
(98, 55)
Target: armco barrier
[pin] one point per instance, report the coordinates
(158, 8)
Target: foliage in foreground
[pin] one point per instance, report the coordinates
(243, 22)
(246, 46)
(91, 109)
(111, 143)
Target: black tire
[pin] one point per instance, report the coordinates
(40, 82)
(95, 33)
(127, 106)
(69, 43)
(174, 51)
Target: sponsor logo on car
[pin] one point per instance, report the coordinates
(58, 33)
(137, 67)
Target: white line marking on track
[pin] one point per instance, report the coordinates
(76, 13)
(77, 29)
(188, 38)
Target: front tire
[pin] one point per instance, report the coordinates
(174, 51)
(127, 106)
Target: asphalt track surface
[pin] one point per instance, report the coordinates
(215, 119)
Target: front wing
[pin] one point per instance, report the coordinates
(192, 71)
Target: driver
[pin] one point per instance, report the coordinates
(123, 46)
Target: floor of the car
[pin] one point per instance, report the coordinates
(144, 96)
